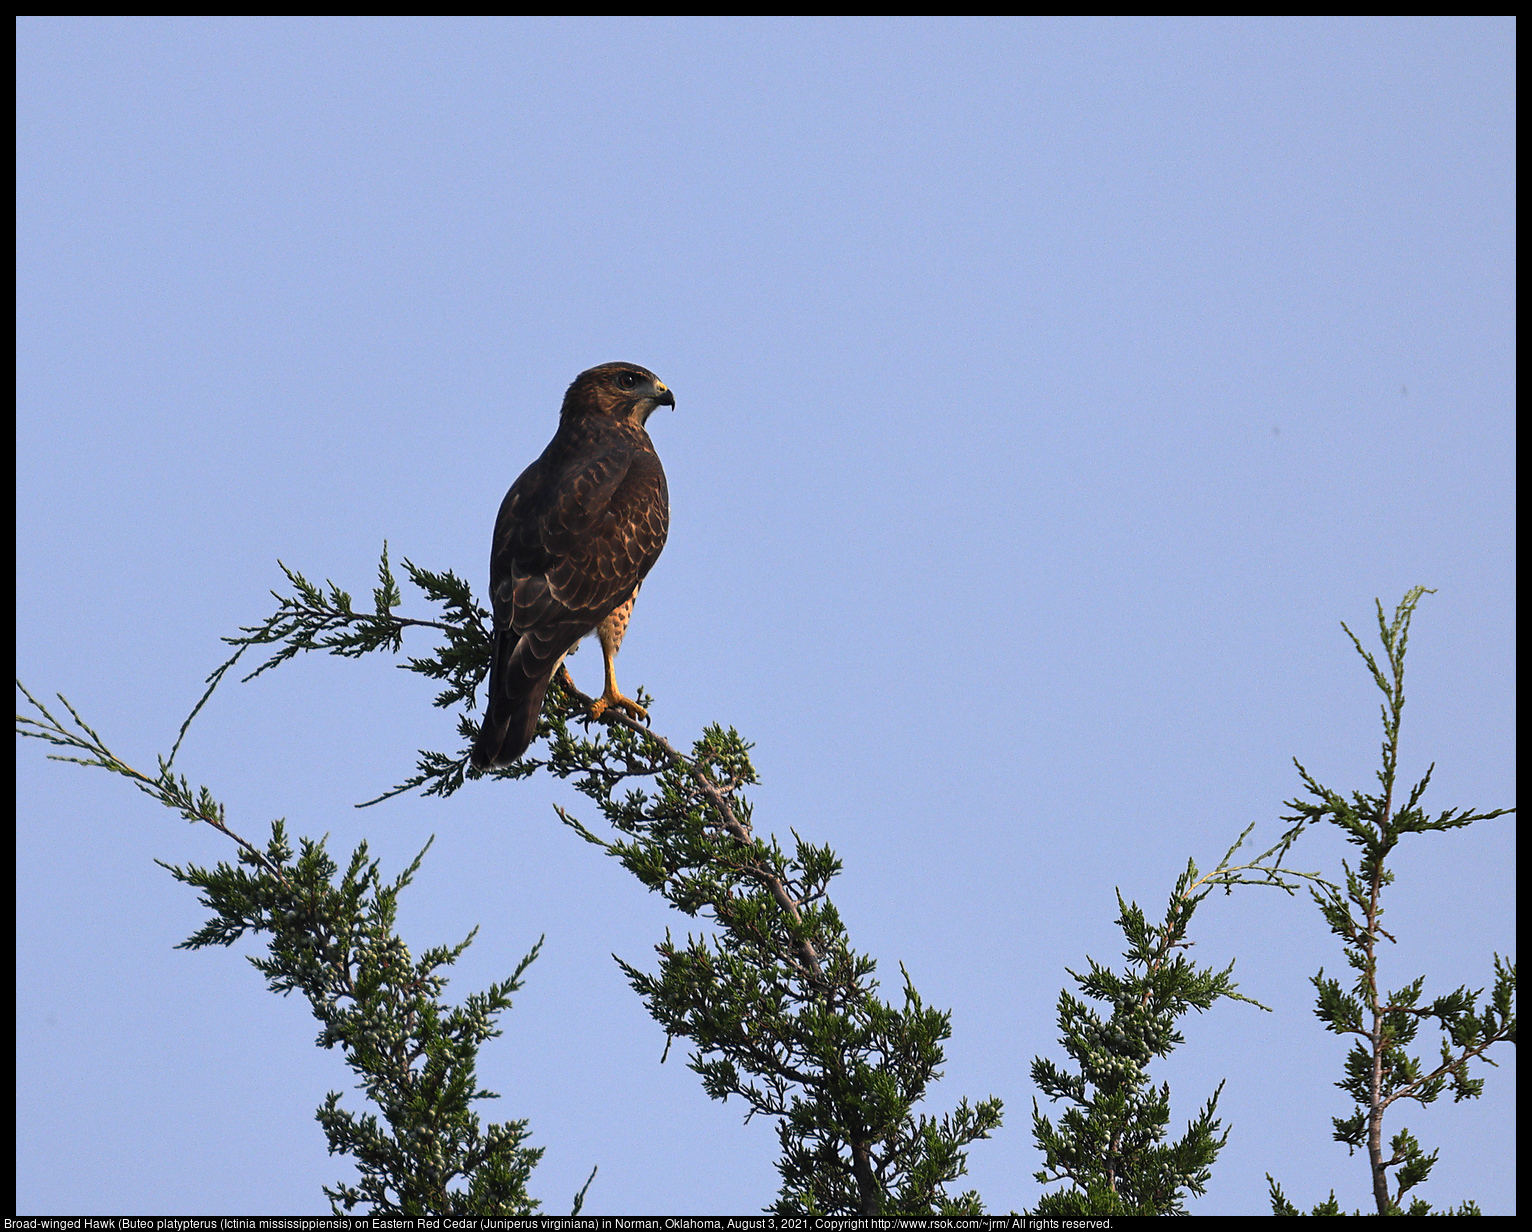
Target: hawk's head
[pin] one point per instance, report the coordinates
(618, 391)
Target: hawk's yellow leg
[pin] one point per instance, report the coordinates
(610, 632)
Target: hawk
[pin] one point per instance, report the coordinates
(576, 536)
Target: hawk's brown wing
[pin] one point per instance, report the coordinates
(576, 535)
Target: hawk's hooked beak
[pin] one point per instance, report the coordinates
(646, 405)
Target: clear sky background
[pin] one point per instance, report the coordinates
(1047, 393)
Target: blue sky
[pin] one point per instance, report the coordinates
(1047, 393)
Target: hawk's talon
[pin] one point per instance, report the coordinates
(612, 699)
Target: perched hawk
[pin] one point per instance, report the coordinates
(577, 534)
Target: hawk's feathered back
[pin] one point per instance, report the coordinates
(576, 535)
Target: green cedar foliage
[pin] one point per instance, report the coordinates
(1110, 1143)
(333, 940)
(779, 1009)
(1379, 1070)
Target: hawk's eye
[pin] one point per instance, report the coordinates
(626, 380)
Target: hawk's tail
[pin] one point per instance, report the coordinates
(515, 701)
